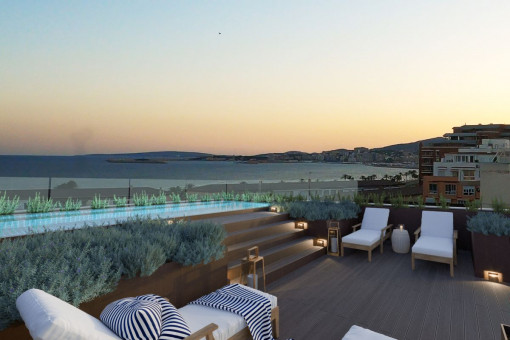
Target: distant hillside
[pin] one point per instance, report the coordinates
(156, 154)
(409, 147)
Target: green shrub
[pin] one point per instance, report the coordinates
(420, 202)
(8, 206)
(160, 199)
(98, 203)
(443, 203)
(206, 198)
(176, 198)
(360, 199)
(313, 211)
(397, 201)
(489, 224)
(39, 204)
(71, 205)
(191, 197)
(79, 265)
(141, 200)
(473, 205)
(499, 206)
(119, 201)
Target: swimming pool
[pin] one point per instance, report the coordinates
(23, 224)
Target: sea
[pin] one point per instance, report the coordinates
(17, 172)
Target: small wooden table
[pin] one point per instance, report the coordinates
(400, 241)
(251, 261)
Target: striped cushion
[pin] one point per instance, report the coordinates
(133, 318)
(173, 326)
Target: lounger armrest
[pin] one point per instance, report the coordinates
(417, 234)
(204, 332)
(386, 230)
(455, 234)
(356, 226)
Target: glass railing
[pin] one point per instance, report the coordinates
(59, 189)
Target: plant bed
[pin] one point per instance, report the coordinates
(490, 235)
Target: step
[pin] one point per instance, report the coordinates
(238, 250)
(273, 254)
(245, 235)
(239, 222)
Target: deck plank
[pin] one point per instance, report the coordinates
(324, 298)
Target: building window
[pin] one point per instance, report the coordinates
(433, 188)
(469, 175)
(450, 189)
(469, 190)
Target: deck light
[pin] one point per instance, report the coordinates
(301, 225)
(493, 276)
(273, 208)
(320, 242)
(401, 226)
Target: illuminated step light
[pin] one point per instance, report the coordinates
(274, 209)
(493, 276)
(320, 242)
(301, 225)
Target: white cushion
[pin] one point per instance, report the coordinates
(360, 333)
(197, 317)
(437, 224)
(435, 246)
(375, 218)
(48, 317)
(365, 237)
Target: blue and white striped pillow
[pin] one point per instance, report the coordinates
(173, 326)
(133, 318)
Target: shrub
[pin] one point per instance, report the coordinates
(71, 205)
(312, 211)
(499, 206)
(141, 200)
(79, 265)
(160, 199)
(39, 204)
(119, 201)
(206, 198)
(443, 203)
(98, 203)
(397, 201)
(191, 197)
(176, 198)
(473, 205)
(489, 224)
(8, 206)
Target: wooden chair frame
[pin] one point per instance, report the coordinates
(243, 334)
(448, 260)
(385, 234)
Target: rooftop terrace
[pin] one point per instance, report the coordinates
(324, 298)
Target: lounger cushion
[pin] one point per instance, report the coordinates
(132, 318)
(437, 224)
(435, 246)
(49, 318)
(360, 333)
(365, 237)
(197, 317)
(173, 325)
(375, 218)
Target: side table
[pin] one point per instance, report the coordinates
(400, 241)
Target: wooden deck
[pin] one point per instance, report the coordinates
(324, 298)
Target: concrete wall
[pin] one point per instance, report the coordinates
(494, 183)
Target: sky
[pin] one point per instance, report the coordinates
(80, 77)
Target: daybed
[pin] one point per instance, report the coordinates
(48, 317)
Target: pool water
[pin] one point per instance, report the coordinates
(23, 224)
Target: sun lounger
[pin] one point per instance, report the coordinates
(48, 317)
(360, 333)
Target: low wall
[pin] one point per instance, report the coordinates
(180, 284)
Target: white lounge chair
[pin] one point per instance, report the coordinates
(438, 240)
(360, 333)
(48, 317)
(374, 231)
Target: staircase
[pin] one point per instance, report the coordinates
(283, 247)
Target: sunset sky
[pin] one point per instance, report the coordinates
(119, 76)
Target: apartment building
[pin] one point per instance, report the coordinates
(456, 176)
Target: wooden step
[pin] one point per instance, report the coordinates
(238, 250)
(246, 235)
(282, 259)
(240, 222)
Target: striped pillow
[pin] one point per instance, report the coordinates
(173, 326)
(133, 318)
